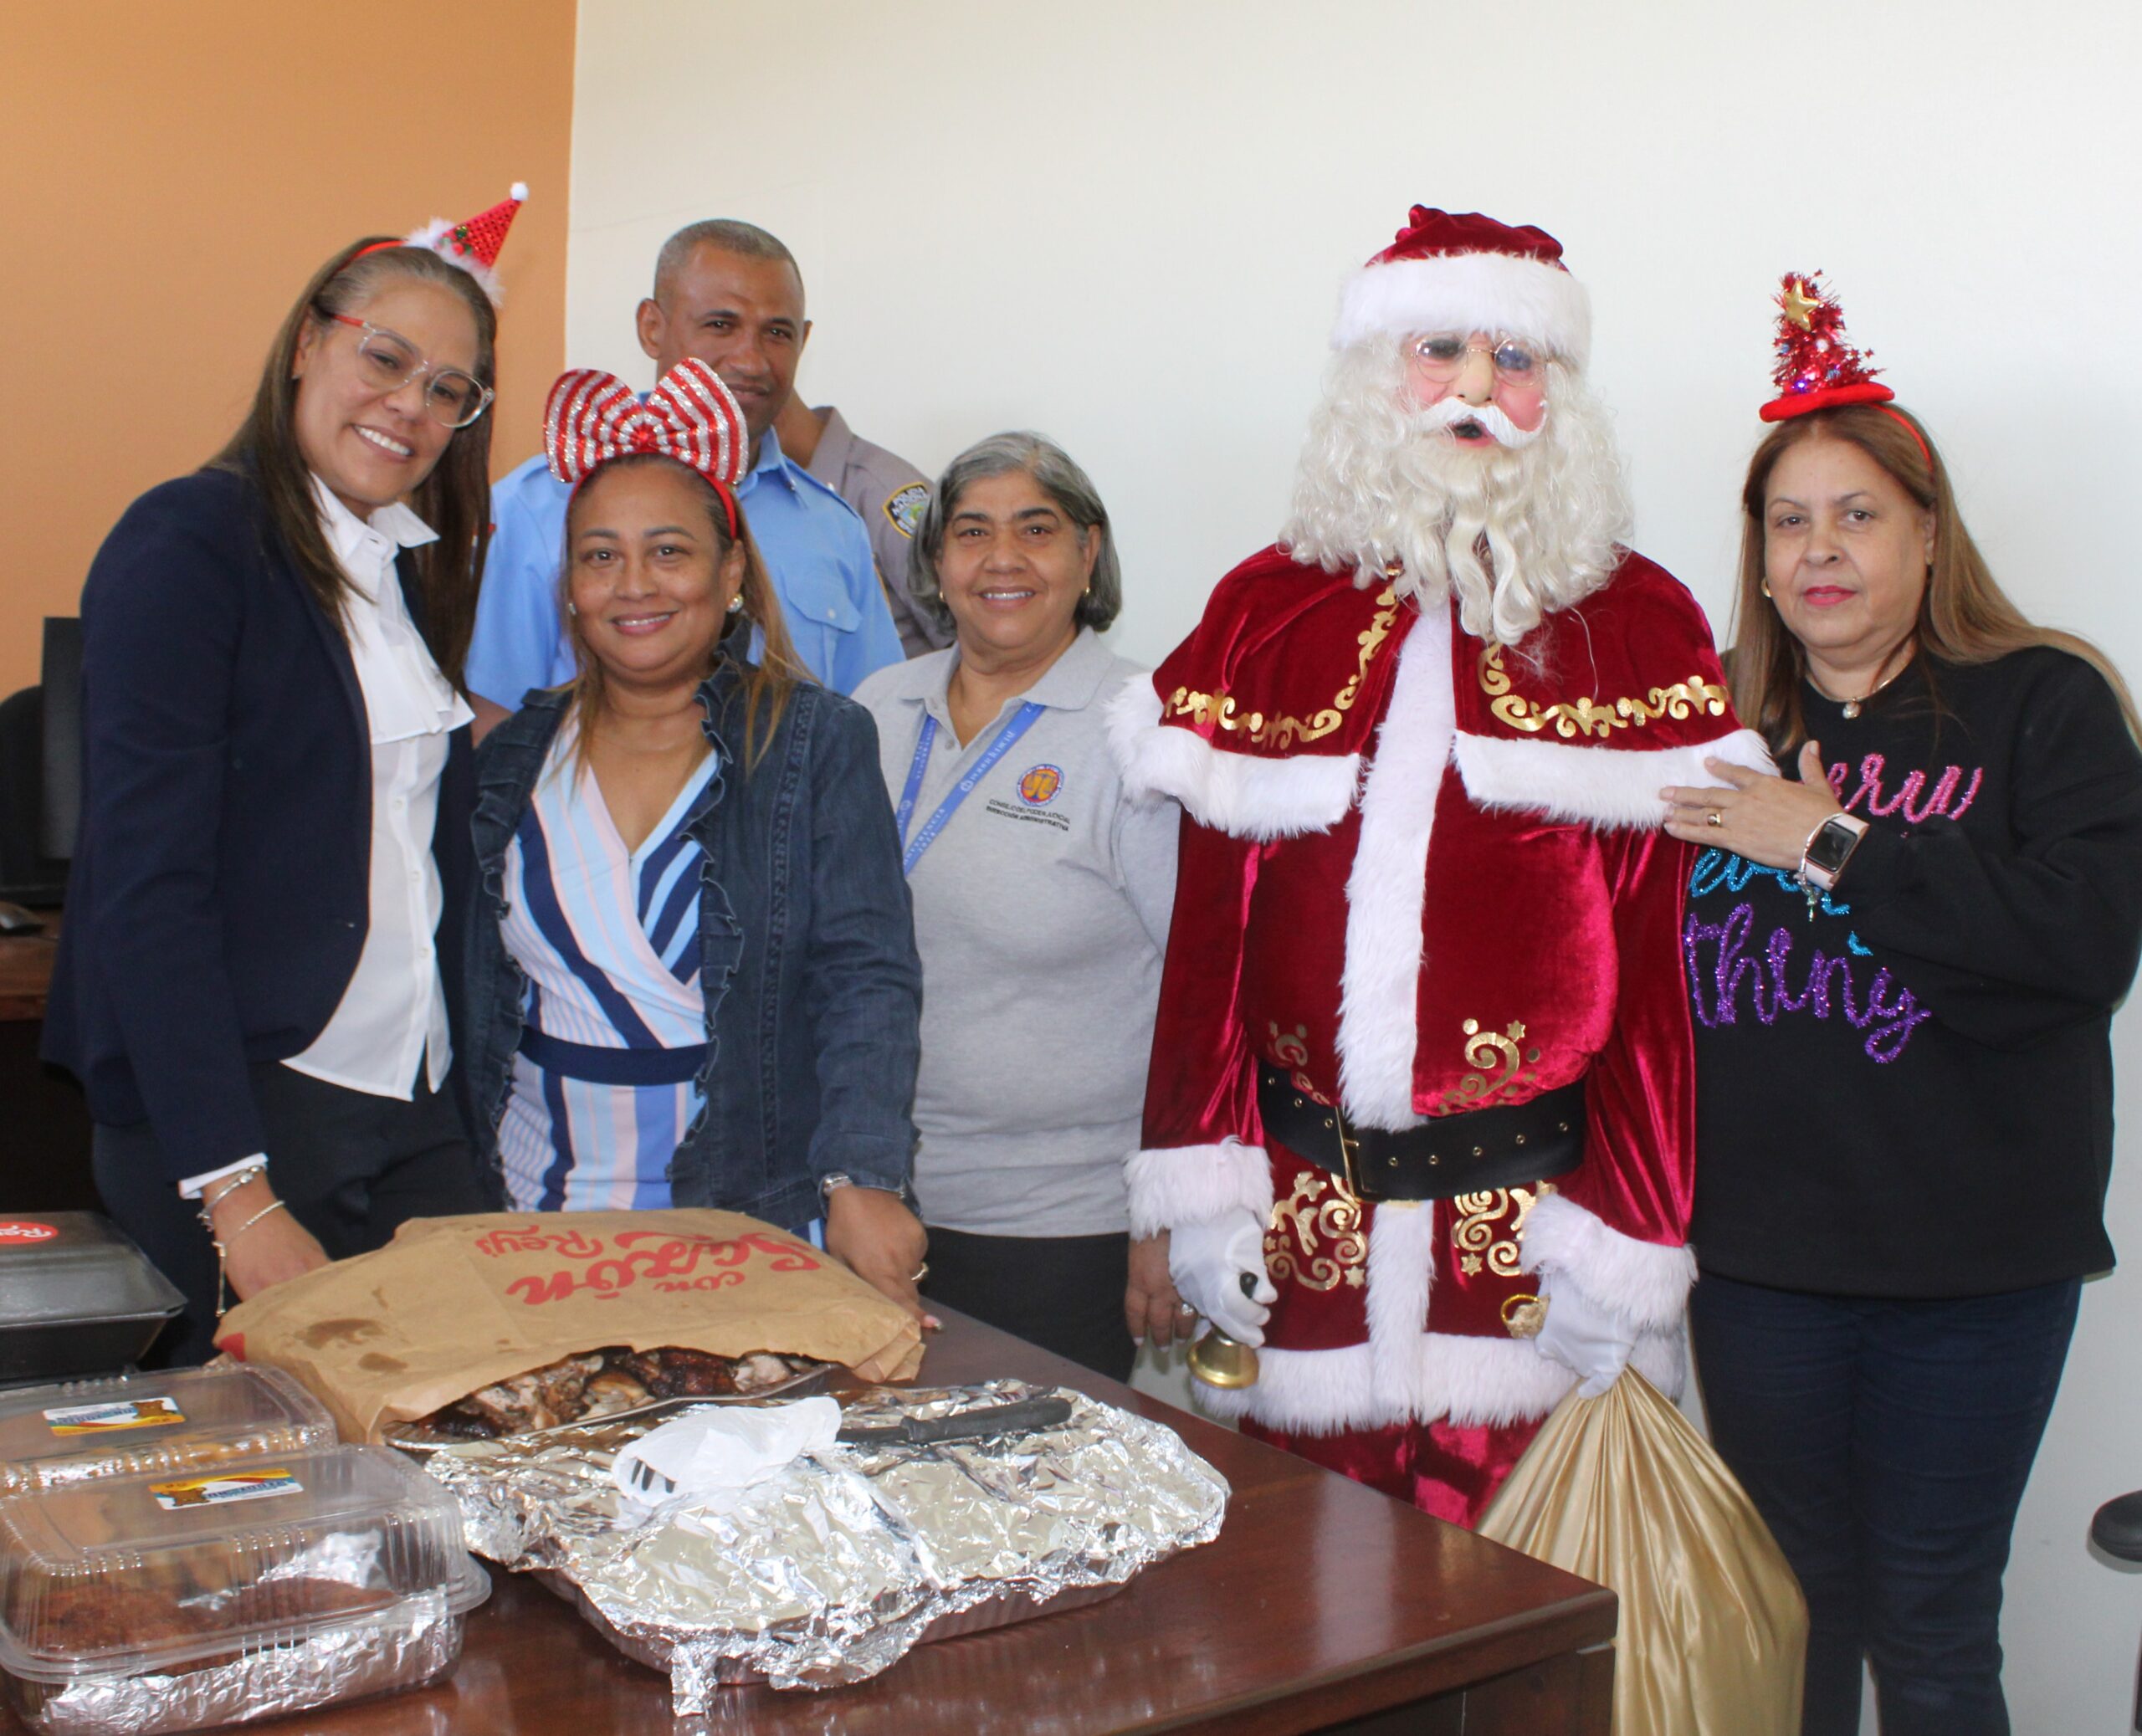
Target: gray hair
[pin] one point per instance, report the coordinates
(724, 234)
(1067, 487)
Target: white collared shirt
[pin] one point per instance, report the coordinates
(392, 1014)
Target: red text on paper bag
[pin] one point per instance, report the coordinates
(667, 1262)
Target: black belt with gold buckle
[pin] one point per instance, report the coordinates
(1471, 1151)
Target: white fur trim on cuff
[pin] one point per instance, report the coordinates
(1607, 787)
(1238, 794)
(1467, 293)
(1645, 1283)
(1190, 1184)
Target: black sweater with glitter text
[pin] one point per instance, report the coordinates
(1909, 1094)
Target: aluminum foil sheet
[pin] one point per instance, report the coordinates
(832, 1571)
(404, 1646)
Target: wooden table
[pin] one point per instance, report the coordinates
(1320, 1606)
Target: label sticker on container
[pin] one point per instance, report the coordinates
(18, 1230)
(230, 1486)
(120, 1414)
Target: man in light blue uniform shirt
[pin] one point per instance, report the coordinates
(731, 295)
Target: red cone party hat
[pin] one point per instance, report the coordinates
(1817, 369)
(474, 243)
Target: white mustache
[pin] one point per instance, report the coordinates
(1448, 413)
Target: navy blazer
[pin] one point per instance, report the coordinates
(220, 890)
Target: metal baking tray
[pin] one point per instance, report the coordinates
(1006, 1609)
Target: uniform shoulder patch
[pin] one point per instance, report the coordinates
(903, 507)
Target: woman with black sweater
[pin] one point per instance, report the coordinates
(1904, 957)
(262, 930)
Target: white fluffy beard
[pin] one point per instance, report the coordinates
(1380, 480)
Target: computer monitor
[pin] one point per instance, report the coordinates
(60, 812)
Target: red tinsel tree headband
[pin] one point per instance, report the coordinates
(593, 417)
(1817, 367)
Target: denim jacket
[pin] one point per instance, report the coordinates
(807, 956)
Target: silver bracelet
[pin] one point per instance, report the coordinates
(225, 1186)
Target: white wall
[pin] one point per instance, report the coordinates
(1123, 224)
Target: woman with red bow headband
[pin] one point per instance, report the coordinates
(273, 845)
(693, 975)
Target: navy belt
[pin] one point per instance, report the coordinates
(596, 1066)
(1471, 1152)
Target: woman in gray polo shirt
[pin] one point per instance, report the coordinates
(1041, 898)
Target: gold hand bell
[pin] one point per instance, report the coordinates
(1220, 1361)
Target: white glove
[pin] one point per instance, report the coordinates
(1210, 1261)
(1582, 1336)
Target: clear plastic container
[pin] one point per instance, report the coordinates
(155, 1602)
(76, 1297)
(60, 1434)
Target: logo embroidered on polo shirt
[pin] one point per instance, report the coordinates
(1039, 784)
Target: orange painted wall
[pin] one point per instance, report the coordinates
(173, 172)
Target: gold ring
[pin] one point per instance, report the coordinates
(1713, 818)
(921, 1272)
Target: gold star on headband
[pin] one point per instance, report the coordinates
(1798, 303)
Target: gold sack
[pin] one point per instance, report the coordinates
(454, 1303)
(1621, 1491)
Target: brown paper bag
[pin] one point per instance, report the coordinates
(453, 1303)
(1621, 1490)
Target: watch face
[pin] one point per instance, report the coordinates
(1830, 846)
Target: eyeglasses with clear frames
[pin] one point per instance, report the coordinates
(390, 362)
(1441, 356)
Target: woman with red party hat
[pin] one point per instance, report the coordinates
(273, 847)
(1903, 958)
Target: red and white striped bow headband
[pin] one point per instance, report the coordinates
(593, 417)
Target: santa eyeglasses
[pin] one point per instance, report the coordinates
(1442, 356)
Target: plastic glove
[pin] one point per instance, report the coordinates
(1583, 1337)
(1211, 1261)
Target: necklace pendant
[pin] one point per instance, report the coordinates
(1852, 708)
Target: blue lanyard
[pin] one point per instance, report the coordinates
(960, 791)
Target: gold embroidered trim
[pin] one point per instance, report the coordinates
(1222, 710)
(1304, 1222)
(1501, 1062)
(1290, 1049)
(1592, 717)
(1474, 1219)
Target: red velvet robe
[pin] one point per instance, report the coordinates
(1422, 873)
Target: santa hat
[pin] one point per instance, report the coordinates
(473, 243)
(1817, 369)
(1464, 272)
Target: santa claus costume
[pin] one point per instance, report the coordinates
(1421, 1022)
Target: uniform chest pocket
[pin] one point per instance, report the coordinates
(822, 605)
